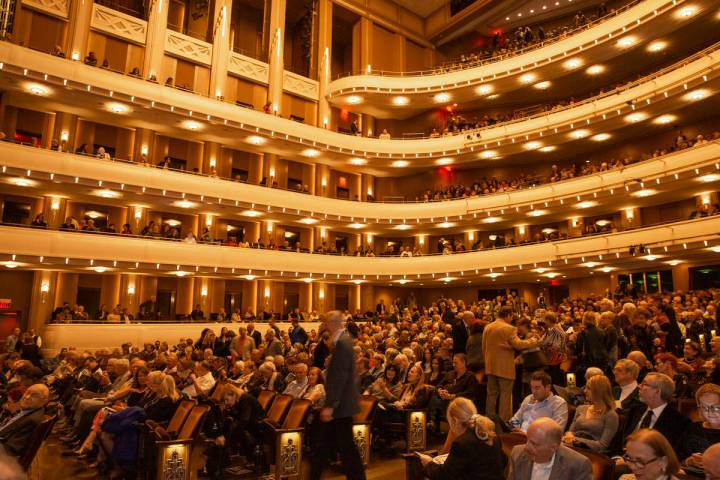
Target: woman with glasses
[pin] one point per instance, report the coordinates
(706, 432)
(650, 457)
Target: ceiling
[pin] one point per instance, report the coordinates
(422, 8)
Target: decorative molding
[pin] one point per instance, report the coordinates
(118, 24)
(301, 86)
(249, 68)
(188, 48)
(56, 8)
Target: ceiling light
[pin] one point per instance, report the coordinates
(251, 213)
(540, 270)
(403, 226)
(528, 78)
(483, 89)
(493, 96)
(645, 192)
(549, 148)
(358, 281)
(444, 161)
(37, 89)
(22, 182)
(537, 213)
(595, 70)
(572, 64)
(658, 46)
(586, 204)
(308, 220)
(357, 226)
(107, 193)
(173, 223)
(310, 152)
(191, 125)
(400, 100)
(590, 264)
(492, 219)
(448, 279)
(636, 117)
(602, 223)
(487, 154)
(100, 269)
(578, 134)
(185, 204)
(400, 163)
(686, 12)
(542, 85)
(715, 249)
(696, 95)
(180, 273)
(441, 97)
(11, 264)
(403, 281)
(664, 119)
(600, 137)
(357, 161)
(674, 263)
(532, 145)
(626, 42)
(255, 140)
(249, 277)
(117, 108)
(650, 258)
(710, 177)
(308, 279)
(551, 274)
(548, 231)
(493, 274)
(354, 99)
(446, 224)
(606, 269)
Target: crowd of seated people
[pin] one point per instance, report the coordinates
(645, 371)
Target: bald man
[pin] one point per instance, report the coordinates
(544, 458)
(16, 430)
(461, 331)
(711, 462)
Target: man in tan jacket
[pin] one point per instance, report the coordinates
(499, 343)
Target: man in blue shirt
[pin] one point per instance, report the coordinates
(540, 403)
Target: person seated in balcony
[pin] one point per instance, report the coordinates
(89, 225)
(169, 82)
(384, 135)
(39, 221)
(164, 163)
(135, 72)
(206, 237)
(58, 52)
(197, 314)
(91, 59)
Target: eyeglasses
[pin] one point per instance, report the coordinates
(637, 462)
(645, 384)
(714, 409)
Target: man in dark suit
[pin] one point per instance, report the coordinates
(17, 429)
(254, 334)
(627, 390)
(655, 392)
(341, 403)
(461, 331)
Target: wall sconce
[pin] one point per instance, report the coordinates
(321, 294)
(421, 240)
(275, 108)
(44, 289)
(55, 204)
(269, 227)
(131, 290)
(64, 136)
(272, 172)
(575, 222)
(705, 199)
(323, 183)
(144, 150)
(218, 92)
(369, 237)
(471, 236)
(370, 191)
(521, 229)
(213, 162)
(203, 292)
(325, 122)
(369, 68)
(208, 221)
(267, 292)
(138, 213)
(323, 232)
(630, 214)
(75, 56)
(369, 134)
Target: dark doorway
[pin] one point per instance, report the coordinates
(89, 297)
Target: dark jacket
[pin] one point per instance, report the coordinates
(257, 337)
(592, 347)
(464, 386)
(631, 401)
(470, 458)
(16, 436)
(340, 384)
(671, 423)
(460, 337)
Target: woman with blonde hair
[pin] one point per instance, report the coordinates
(476, 452)
(650, 457)
(595, 423)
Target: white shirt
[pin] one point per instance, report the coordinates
(625, 392)
(541, 471)
(206, 382)
(657, 411)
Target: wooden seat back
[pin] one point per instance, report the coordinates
(178, 419)
(218, 392)
(278, 409)
(603, 467)
(193, 421)
(368, 405)
(297, 413)
(509, 440)
(37, 438)
(264, 399)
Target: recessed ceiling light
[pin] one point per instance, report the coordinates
(606, 269)
(590, 264)
(664, 119)
(572, 64)
(310, 152)
(487, 154)
(492, 219)
(308, 220)
(710, 177)
(540, 270)
(117, 108)
(657, 46)
(400, 163)
(493, 274)
(551, 274)
(548, 230)
(586, 204)
(548, 148)
(357, 226)
(674, 263)
(650, 258)
(441, 97)
(528, 78)
(636, 117)
(532, 145)
(696, 95)
(308, 279)
(255, 140)
(483, 89)
(37, 89)
(105, 193)
(448, 279)
(595, 70)
(172, 222)
(645, 192)
(627, 42)
(400, 100)
(687, 12)
(100, 269)
(537, 213)
(251, 213)
(180, 273)
(403, 226)
(444, 161)
(403, 281)
(493, 96)
(578, 134)
(602, 223)
(446, 224)
(185, 204)
(191, 125)
(11, 264)
(357, 161)
(542, 85)
(22, 182)
(249, 277)
(715, 249)
(357, 281)
(600, 137)
(354, 99)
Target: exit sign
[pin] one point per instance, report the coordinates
(5, 303)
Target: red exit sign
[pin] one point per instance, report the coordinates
(5, 303)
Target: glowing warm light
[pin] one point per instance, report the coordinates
(446, 224)
(493, 274)
(441, 97)
(357, 161)
(627, 42)
(573, 63)
(21, 182)
(551, 274)
(356, 281)
(710, 177)
(185, 204)
(251, 213)
(100, 269)
(180, 273)
(578, 134)
(308, 220)
(310, 152)
(249, 277)
(308, 279)
(686, 12)
(595, 70)
(483, 89)
(400, 163)
(540, 270)
(590, 264)
(586, 204)
(537, 213)
(448, 279)
(548, 148)
(11, 264)
(528, 78)
(606, 269)
(674, 263)
(488, 154)
(444, 161)
(657, 46)
(664, 119)
(37, 89)
(636, 117)
(600, 137)
(400, 100)
(403, 281)
(255, 140)
(357, 226)
(645, 192)
(650, 258)
(403, 226)
(542, 85)
(492, 219)
(107, 193)
(532, 145)
(696, 95)
(117, 108)
(354, 99)
(191, 125)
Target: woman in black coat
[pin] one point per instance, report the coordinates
(475, 453)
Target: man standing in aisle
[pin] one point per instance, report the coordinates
(340, 404)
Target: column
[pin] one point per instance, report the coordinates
(630, 218)
(207, 221)
(250, 295)
(252, 233)
(469, 238)
(66, 289)
(65, 128)
(49, 130)
(324, 24)
(110, 290)
(212, 164)
(322, 180)
(216, 296)
(368, 187)
(143, 144)
(184, 298)
(42, 305)
(129, 289)
(522, 233)
(367, 297)
(270, 167)
(401, 48)
(276, 55)
(681, 277)
(421, 241)
(268, 230)
(54, 211)
(366, 44)
(576, 225)
(255, 169)
(354, 298)
(155, 42)
(306, 302)
(265, 294)
(79, 28)
(221, 47)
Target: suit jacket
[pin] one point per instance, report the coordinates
(16, 436)
(257, 337)
(460, 337)
(631, 401)
(470, 459)
(341, 392)
(568, 464)
(671, 423)
(499, 358)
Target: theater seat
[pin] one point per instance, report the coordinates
(603, 467)
(362, 426)
(277, 411)
(264, 398)
(39, 435)
(176, 422)
(287, 440)
(509, 440)
(173, 459)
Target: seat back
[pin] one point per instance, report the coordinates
(509, 440)
(218, 392)
(39, 435)
(603, 467)
(689, 408)
(178, 419)
(278, 409)
(194, 419)
(367, 404)
(264, 398)
(297, 413)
